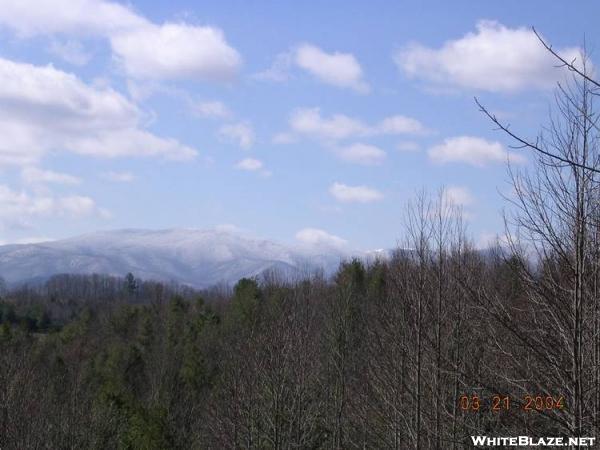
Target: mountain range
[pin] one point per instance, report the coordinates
(199, 258)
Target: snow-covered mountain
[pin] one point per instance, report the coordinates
(200, 258)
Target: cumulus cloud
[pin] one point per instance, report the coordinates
(44, 109)
(310, 122)
(75, 205)
(253, 165)
(145, 49)
(118, 177)
(86, 17)
(173, 51)
(472, 150)
(134, 142)
(458, 196)
(368, 155)
(400, 125)
(354, 194)
(338, 69)
(240, 133)
(35, 175)
(17, 208)
(249, 164)
(317, 237)
(494, 58)
(211, 109)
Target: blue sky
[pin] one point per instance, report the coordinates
(311, 122)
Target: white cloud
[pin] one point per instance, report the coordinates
(174, 51)
(35, 175)
(211, 109)
(71, 51)
(44, 109)
(75, 205)
(309, 122)
(458, 196)
(241, 133)
(249, 164)
(317, 237)
(17, 208)
(472, 150)
(365, 154)
(494, 58)
(134, 142)
(358, 194)
(119, 177)
(338, 69)
(253, 165)
(400, 125)
(85, 17)
(145, 49)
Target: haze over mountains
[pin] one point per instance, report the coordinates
(199, 258)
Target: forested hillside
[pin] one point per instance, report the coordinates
(372, 359)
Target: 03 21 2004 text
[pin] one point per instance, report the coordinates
(498, 403)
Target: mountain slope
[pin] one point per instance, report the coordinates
(199, 258)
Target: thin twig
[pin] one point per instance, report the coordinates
(526, 144)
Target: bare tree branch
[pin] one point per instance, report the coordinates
(527, 144)
(564, 63)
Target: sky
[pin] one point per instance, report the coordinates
(303, 122)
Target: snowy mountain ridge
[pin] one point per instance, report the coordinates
(199, 258)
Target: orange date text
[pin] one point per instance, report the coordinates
(498, 403)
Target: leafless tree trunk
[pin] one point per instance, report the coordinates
(554, 224)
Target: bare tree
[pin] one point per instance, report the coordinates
(552, 235)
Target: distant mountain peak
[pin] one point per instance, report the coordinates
(197, 257)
